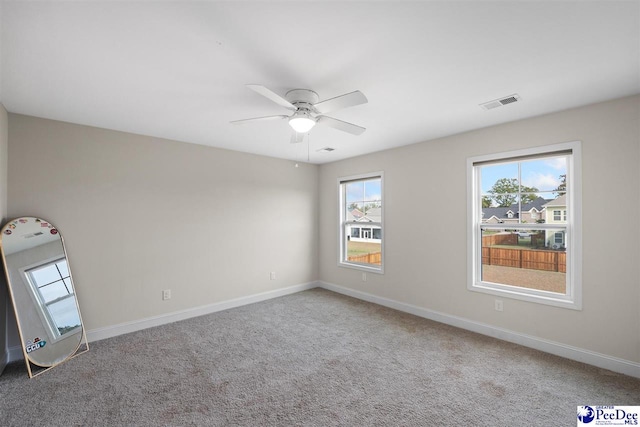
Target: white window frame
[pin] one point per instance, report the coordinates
(573, 236)
(43, 308)
(342, 261)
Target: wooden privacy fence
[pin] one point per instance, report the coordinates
(537, 240)
(500, 239)
(372, 258)
(525, 258)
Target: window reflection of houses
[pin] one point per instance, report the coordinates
(540, 210)
(556, 213)
(530, 212)
(360, 227)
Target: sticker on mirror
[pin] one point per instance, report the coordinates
(34, 345)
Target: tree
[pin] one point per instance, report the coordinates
(486, 201)
(562, 187)
(353, 205)
(505, 192)
(372, 205)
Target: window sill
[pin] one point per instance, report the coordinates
(539, 297)
(362, 267)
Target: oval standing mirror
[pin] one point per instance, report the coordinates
(42, 293)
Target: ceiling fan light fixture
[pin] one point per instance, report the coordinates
(302, 122)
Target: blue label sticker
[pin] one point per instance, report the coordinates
(35, 344)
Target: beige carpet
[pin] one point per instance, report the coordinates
(314, 358)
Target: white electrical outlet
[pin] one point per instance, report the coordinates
(166, 294)
(272, 276)
(498, 305)
(364, 277)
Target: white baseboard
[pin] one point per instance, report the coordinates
(149, 322)
(600, 360)
(14, 353)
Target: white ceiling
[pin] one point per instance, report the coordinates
(178, 70)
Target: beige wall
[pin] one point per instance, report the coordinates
(140, 215)
(426, 255)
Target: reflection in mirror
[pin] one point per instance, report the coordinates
(42, 293)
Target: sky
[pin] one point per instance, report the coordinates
(543, 174)
(363, 191)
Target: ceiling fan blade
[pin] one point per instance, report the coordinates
(258, 119)
(297, 138)
(342, 101)
(272, 96)
(340, 125)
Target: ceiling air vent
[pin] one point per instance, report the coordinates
(325, 150)
(500, 102)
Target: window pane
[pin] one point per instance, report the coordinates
(499, 179)
(62, 266)
(53, 290)
(67, 283)
(45, 275)
(546, 174)
(366, 249)
(361, 197)
(65, 315)
(502, 214)
(533, 259)
(557, 209)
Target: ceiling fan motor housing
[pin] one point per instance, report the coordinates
(299, 97)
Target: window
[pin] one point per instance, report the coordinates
(536, 261)
(361, 222)
(51, 285)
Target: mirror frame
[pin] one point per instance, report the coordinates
(33, 368)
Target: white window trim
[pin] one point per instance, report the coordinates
(41, 307)
(573, 299)
(341, 226)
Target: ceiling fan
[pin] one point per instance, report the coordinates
(307, 111)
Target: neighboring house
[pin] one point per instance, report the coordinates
(531, 212)
(354, 215)
(361, 230)
(556, 213)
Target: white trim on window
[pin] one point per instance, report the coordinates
(573, 297)
(342, 224)
(43, 307)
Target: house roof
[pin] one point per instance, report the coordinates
(502, 212)
(374, 214)
(559, 201)
(356, 213)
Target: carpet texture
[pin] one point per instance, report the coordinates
(314, 358)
